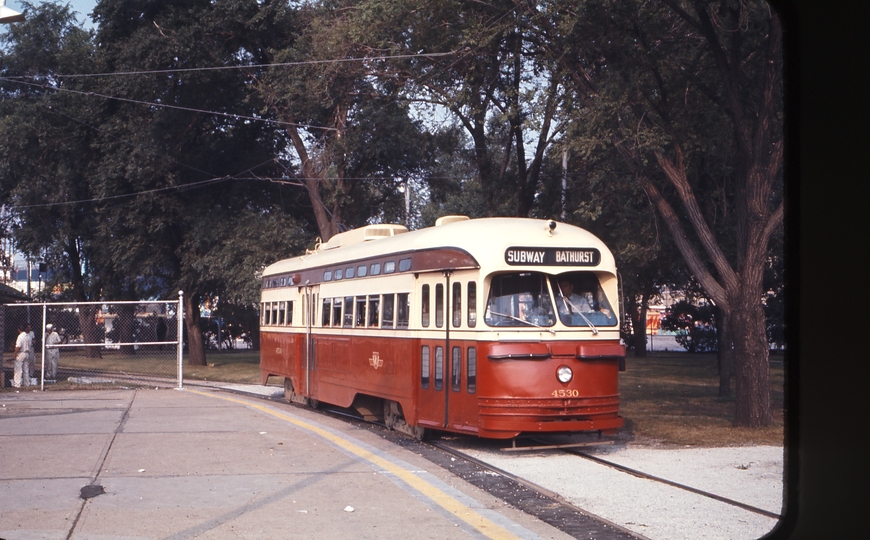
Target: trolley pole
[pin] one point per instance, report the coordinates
(180, 311)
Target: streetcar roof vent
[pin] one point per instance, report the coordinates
(444, 220)
(364, 234)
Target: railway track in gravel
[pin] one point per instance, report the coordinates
(575, 451)
(640, 474)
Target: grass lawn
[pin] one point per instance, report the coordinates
(672, 398)
(666, 398)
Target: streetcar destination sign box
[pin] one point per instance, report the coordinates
(538, 256)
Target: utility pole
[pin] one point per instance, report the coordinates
(564, 178)
(407, 204)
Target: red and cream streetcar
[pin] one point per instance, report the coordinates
(494, 327)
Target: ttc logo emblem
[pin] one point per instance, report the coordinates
(375, 361)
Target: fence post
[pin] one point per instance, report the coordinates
(180, 312)
(3, 346)
(42, 375)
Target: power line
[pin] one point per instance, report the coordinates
(233, 116)
(247, 66)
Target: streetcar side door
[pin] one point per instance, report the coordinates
(308, 381)
(432, 383)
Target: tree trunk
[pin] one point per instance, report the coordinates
(639, 326)
(724, 354)
(195, 347)
(126, 322)
(751, 363)
(90, 331)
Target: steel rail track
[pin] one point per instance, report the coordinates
(641, 474)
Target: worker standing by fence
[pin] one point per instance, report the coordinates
(23, 358)
(52, 353)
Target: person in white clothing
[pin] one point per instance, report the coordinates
(23, 352)
(52, 354)
(571, 302)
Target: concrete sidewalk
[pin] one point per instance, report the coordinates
(206, 463)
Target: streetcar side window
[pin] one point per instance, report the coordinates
(404, 265)
(361, 271)
(264, 312)
(456, 369)
(403, 310)
(472, 304)
(439, 367)
(290, 313)
(376, 269)
(327, 276)
(456, 308)
(389, 267)
(336, 312)
(424, 303)
(348, 312)
(360, 310)
(424, 367)
(274, 312)
(338, 274)
(439, 305)
(374, 309)
(282, 309)
(324, 316)
(348, 273)
(389, 302)
(471, 378)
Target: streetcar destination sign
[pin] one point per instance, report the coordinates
(537, 256)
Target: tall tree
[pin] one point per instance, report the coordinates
(688, 91)
(48, 152)
(195, 157)
(353, 140)
(506, 97)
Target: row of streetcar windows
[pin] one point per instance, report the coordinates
(436, 379)
(363, 270)
(515, 299)
(367, 311)
(348, 272)
(276, 313)
(435, 305)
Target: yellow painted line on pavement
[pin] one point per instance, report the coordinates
(479, 522)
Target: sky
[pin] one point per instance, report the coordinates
(83, 7)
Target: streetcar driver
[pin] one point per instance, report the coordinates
(571, 302)
(589, 307)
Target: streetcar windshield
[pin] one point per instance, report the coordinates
(521, 299)
(580, 300)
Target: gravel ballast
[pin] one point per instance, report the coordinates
(752, 475)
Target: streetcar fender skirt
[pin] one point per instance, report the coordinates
(505, 428)
(548, 415)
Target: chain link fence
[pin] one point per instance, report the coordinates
(65, 345)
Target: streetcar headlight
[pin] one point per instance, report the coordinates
(564, 374)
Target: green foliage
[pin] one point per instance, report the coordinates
(695, 326)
